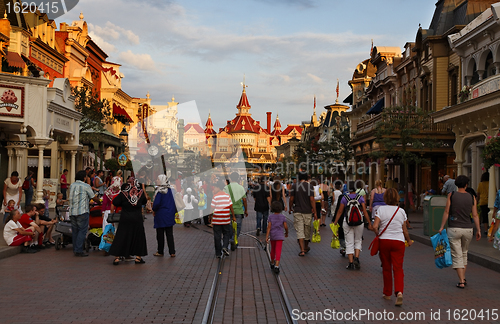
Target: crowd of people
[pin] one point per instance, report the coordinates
(221, 201)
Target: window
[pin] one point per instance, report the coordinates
(490, 67)
(454, 89)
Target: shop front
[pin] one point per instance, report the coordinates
(39, 129)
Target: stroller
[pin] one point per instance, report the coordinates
(63, 227)
(95, 228)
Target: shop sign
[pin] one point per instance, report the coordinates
(122, 159)
(62, 123)
(488, 86)
(11, 101)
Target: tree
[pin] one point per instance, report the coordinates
(96, 112)
(112, 164)
(401, 134)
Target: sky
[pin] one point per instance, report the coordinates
(288, 50)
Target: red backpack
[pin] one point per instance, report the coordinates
(353, 216)
(26, 183)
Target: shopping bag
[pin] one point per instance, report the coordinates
(335, 239)
(179, 217)
(316, 238)
(490, 229)
(235, 231)
(107, 238)
(442, 252)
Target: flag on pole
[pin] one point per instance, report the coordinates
(371, 50)
(314, 101)
(337, 88)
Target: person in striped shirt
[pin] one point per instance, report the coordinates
(222, 209)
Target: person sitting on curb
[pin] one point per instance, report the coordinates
(30, 220)
(14, 234)
(47, 223)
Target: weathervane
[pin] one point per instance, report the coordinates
(243, 83)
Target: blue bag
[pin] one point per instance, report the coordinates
(442, 252)
(107, 238)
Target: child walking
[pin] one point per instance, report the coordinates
(275, 226)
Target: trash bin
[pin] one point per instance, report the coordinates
(433, 213)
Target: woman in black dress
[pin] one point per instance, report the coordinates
(130, 238)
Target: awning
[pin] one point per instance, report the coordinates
(122, 113)
(348, 100)
(15, 60)
(376, 108)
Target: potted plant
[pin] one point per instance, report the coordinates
(491, 152)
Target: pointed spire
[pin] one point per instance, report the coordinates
(337, 100)
(243, 106)
(277, 124)
(209, 125)
(314, 118)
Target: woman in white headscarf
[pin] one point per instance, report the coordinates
(164, 216)
(110, 194)
(189, 211)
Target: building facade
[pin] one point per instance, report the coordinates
(474, 115)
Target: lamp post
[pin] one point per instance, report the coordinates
(123, 136)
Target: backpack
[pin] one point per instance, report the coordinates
(26, 184)
(353, 215)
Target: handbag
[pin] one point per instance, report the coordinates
(374, 245)
(113, 217)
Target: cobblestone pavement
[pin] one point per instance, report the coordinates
(56, 287)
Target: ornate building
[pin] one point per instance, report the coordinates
(257, 143)
(474, 114)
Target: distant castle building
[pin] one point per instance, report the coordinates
(257, 143)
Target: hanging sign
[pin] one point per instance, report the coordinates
(122, 159)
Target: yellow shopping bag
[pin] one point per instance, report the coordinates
(179, 217)
(316, 238)
(235, 231)
(335, 239)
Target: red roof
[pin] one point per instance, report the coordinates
(289, 129)
(196, 127)
(244, 123)
(209, 122)
(243, 100)
(277, 127)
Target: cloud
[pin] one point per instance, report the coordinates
(315, 78)
(105, 46)
(110, 32)
(301, 3)
(140, 61)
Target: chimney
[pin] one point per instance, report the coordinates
(269, 122)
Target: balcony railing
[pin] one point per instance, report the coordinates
(370, 125)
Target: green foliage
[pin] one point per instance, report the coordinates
(96, 113)
(400, 134)
(491, 152)
(112, 164)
